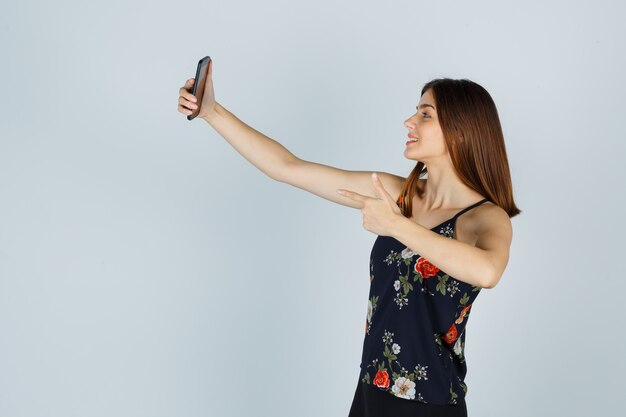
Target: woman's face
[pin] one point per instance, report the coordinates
(424, 125)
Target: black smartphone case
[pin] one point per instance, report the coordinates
(198, 86)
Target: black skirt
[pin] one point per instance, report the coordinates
(370, 401)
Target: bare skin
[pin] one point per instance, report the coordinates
(487, 226)
(445, 194)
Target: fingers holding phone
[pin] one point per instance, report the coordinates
(197, 97)
(187, 102)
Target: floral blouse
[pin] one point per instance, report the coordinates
(416, 323)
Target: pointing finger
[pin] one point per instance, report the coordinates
(351, 194)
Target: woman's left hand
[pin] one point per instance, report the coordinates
(379, 214)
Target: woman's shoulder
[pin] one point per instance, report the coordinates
(489, 216)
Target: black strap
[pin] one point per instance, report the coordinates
(471, 207)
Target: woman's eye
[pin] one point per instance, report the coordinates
(425, 114)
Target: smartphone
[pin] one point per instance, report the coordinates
(198, 86)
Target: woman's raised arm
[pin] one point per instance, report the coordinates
(276, 161)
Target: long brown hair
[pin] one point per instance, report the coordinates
(471, 128)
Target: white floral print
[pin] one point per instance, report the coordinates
(407, 253)
(401, 301)
(404, 388)
(371, 308)
(458, 347)
(421, 372)
(410, 320)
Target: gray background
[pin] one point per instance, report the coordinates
(147, 269)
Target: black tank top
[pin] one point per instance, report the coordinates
(416, 323)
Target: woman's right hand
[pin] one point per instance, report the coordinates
(187, 101)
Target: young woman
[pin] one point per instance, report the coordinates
(444, 233)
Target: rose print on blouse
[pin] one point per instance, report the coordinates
(422, 269)
(445, 304)
(403, 381)
(425, 269)
(381, 379)
(452, 337)
(464, 312)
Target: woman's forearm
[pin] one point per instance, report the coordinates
(464, 262)
(263, 152)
